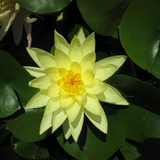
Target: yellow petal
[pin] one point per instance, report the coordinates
(42, 58)
(61, 43)
(66, 129)
(52, 105)
(88, 62)
(97, 88)
(80, 97)
(53, 90)
(66, 100)
(89, 45)
(75, 52)
(75, 67)
(115, 60)
(92, 104)
(38, 100)
(99, 121)
(35, 71)
(59, 117)
(62, 60)
(42, 82)
(112, 95)
(46, 123)
(63, 72)
(62, 92)
(73, 110)
(53, 73)
(104, 72)
(76, 125)
(88, 77)
(81, 36)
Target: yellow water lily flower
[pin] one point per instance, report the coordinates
(12, 13)
(71, 84)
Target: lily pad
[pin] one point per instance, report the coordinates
(92, 143)
(140, 32)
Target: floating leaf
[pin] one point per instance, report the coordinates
(140, 32)
(43, 6)
(92, 143)
(26, 126)
(103, 16)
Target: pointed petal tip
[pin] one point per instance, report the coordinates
(125, 103)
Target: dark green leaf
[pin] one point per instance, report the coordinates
(92, 143)
(140, 34)
(13, 73)
(142, 117)
(8, 100)
(43, 6)
(26, 126)
(103, 16)
(28, 149)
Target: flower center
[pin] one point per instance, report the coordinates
(72, 83)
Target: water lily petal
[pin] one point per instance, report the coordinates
(92, 104)
(104, 72)
(75, 67)
(61, 43)
(66, 129)
(81, 36)
(73, 110)
(88, 77)
(42, 58)
(66, 100)
(52, 105)
(53, 73)
(42, 82)
(88, 62)
(38, 100)
(112, 95)
(7, 22)
(46, 123)
(59, 117)
(53, 90)
(99, 121)
(63, 72)
(76, 125)
(97, 88)
(89, 44)
(115, 60)
(75, 52)
(35, 71)
(63, 61)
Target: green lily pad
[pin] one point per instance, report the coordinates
(13, 78)
(103, 16)
(26, 126)
(8, 100)
(28, 149)
(92, 143)
(142, 117)
(43, 6)
(140, 32)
